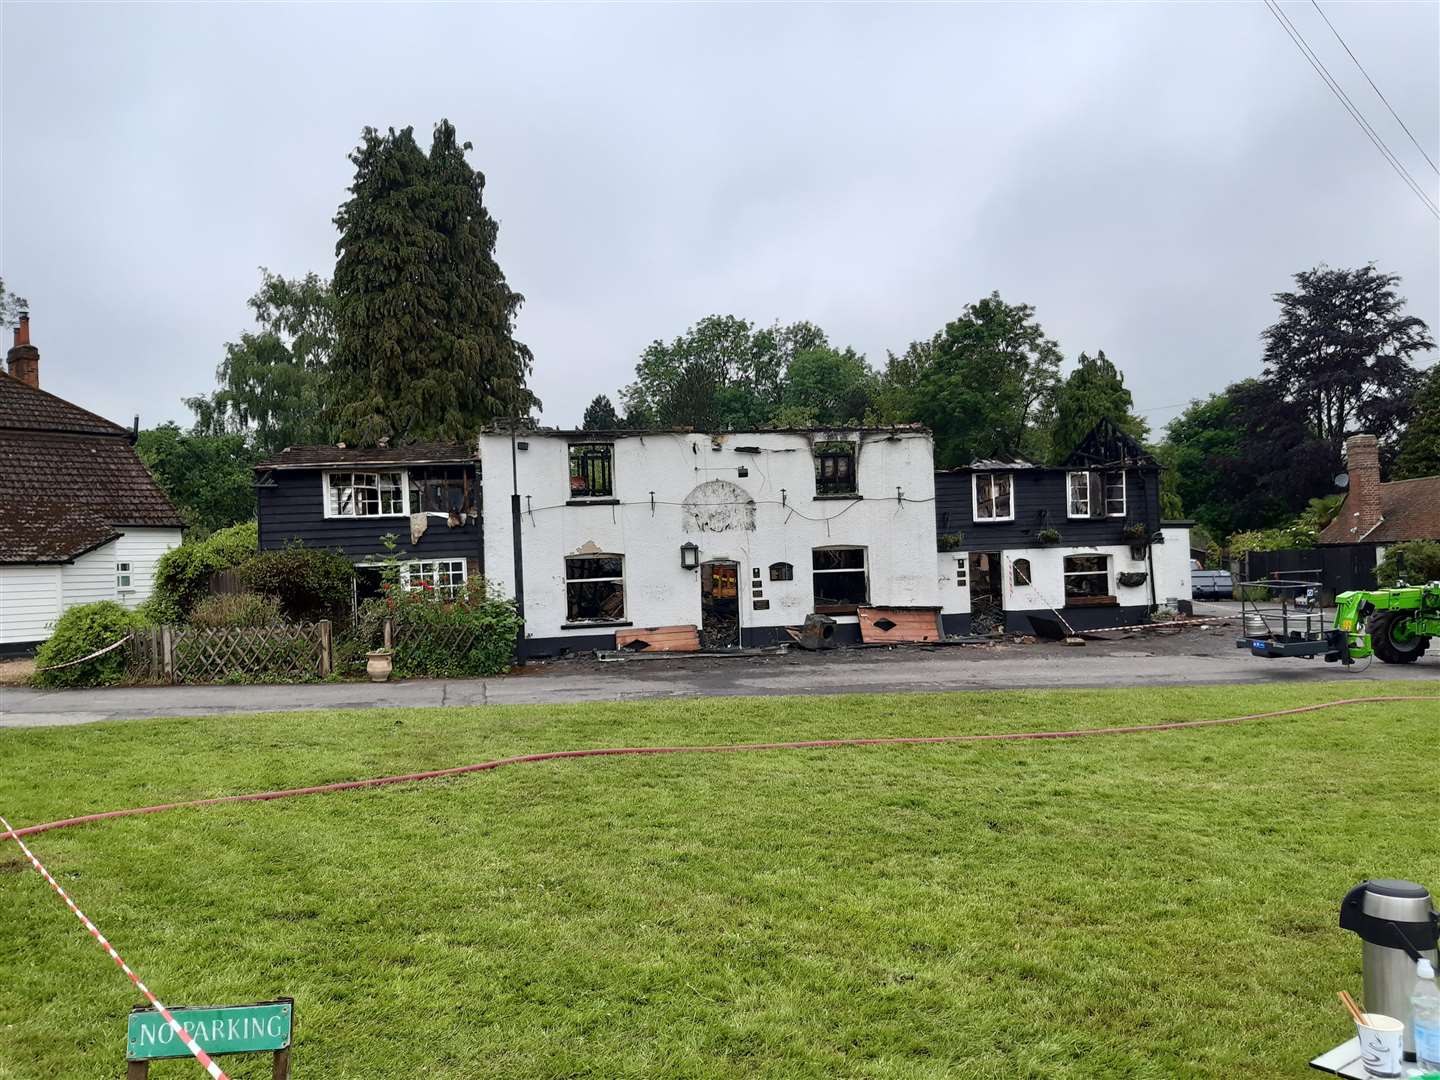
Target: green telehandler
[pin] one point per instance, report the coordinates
(1394, 624)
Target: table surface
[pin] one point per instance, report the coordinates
(1344, 1061)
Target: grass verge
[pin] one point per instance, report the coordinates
(1139, 906)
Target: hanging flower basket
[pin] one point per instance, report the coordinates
(1132, 579)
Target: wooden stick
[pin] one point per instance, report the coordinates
(1349, 1003)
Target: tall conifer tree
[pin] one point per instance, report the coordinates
(425, 318)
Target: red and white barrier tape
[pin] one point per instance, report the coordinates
(190, 1044)
(92, 656)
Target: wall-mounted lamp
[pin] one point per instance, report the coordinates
(689, 556)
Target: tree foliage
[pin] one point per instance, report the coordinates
(1342, 353)
(826, 387)
(1420, 445)
(1093, 392)
(274, 383)
(10, 305)
(425, 347)
(182, 576)
(1416, 561)
(600, 415)
(209, 478)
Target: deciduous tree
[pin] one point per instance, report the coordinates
(1094, 391)
(209, 478)
(1420, 444)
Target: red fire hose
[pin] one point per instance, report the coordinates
(617, 751)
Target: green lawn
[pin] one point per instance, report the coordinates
(1139, 906)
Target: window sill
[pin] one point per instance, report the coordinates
(994, 521)
(837, 609)
(599, 623)
(1091, 601)
(851, 497)
(362, 517)
(600, 501)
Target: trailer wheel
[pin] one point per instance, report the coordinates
(1390, 641)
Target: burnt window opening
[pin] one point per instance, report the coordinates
(365, 494)
(1087, 576)
(1020, 572)
(441, 489)
(835, 468)
(592, 470)
(994, 496)
(595, 588)
(840, 582)
(782, 571)
(1114, 485)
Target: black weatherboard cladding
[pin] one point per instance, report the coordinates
(292, 506)
(1041, 498)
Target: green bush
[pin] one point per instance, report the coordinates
(80, 631)
(469, 635)
(182, 576)
(1421, 560)
(309, 583)
(237, 609)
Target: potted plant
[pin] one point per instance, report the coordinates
(950, 541)
(1131, 579)
(1138, 537)
(1048, 536)
(379, 663)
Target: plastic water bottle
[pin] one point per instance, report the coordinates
(1425, 1015)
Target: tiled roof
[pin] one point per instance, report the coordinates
(313, 457)
(1409, 509)
(68, 479)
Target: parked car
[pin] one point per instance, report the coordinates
(1211, 584)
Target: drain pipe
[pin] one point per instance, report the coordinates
(515, 541)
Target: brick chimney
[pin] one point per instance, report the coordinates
(23, 358)
(1362, 460)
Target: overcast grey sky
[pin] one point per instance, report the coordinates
(1146, 175)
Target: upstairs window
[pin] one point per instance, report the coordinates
(595, 588)
(122, 577)
(835, 468)
(841, 584)
(1087, 576)
(443, 576)
(1079, 500)
(592, 470)
(993, 496)
(440, 489)
(366, 494)
(1114, 493)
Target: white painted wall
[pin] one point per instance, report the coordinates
(899, 536)
(1172, 566)
(954, 598)
(33, 597)
(1048, 577)
(29, 602)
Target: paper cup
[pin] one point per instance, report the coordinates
(1382, 1040)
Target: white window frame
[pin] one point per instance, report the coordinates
(1065, 575)
(422, 569)
(1105, 476)
(608, 620)
(1070, 495)
(325, 492)
(975, 497)
(863, 568)
(124, 576)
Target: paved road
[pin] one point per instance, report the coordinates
(1146, 659)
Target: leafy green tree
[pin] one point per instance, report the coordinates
(988, 383)
(1420, 444)
(1414, 560)
(1094, 391)
(274, 383)
(897, 386)
(826, 387)
(10, 305)
(600, 415)
(425, 345)
(1342, 352)
(721, 373)
(209, 478)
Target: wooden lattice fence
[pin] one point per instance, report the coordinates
(201, 654)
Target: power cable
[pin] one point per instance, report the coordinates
(1378, 94)
(1340, 95)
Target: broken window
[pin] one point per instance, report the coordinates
(595, 588)
(834, 468)
(1020, 572)
(443, 576)
(993, 497)
(1115, 493)
(1079, 503)
(366, 494)
(440, 489)
(122, 576)
(840, 581)
(1087, 576)
(592, 470)
(782, 571)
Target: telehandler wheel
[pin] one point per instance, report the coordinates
(1390, 642)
